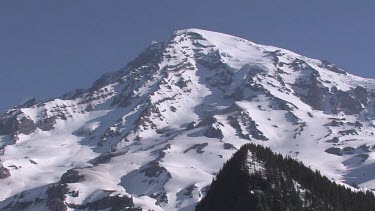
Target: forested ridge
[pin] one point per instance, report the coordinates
(255, 178)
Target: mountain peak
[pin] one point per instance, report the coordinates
(202, 32)
(211, 36)
(194, 98)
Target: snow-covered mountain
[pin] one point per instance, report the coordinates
(155, 133)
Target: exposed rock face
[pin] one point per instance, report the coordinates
(123, 100)
(29, 103)
(182, 83)
(214, 132)
(334, 140)
(4, 172)
(334, 150)
(26, 126)
(10, 124)
(56, 196)
(71, 176)
(198, 148)
(347, 103)
(336, 123)
(207, 121)
(246, 126)
(358, 124)
(348, 150)
(191, 125)
(47, 124)
(228, 146)
(16, 121)
(348, 132)
(154, 170)
(7, 126)
(113, 203)
(362, 94)
(162, 125)
(328, 65)
(317, 95)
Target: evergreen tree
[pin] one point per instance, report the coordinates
(285, 184)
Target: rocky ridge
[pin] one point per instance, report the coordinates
(155, 133)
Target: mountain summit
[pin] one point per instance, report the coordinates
(155, 133)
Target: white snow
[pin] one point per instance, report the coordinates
(150, 135)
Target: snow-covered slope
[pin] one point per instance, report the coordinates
(159, 129)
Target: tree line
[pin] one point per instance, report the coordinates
(280, 184)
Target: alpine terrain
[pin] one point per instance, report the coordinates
(154, 134)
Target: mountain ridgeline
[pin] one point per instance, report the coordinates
(153, 134)
(257, 179)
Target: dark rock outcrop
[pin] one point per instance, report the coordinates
(309, 86)
(361, 94)
(317, 97)
(56, 196)
(348, 150)
(71, 176)
(334, 140)
(348, 132)
(329, 66)
(214, 132)
(249, 124)
(7, 126)
(10, 124)
(229, 146)
(317, 94)
(154, 170)
(207, 121)
(4, 172)
(47, 124)
(336, 123)
(347, 104)
(123, 100)
(28, 103)
(113, 203)
(191, 126)
(26, 126)
(198, 148)
(334, 151)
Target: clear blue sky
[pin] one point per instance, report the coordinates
(48, 48)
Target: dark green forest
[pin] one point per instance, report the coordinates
(282, 184)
